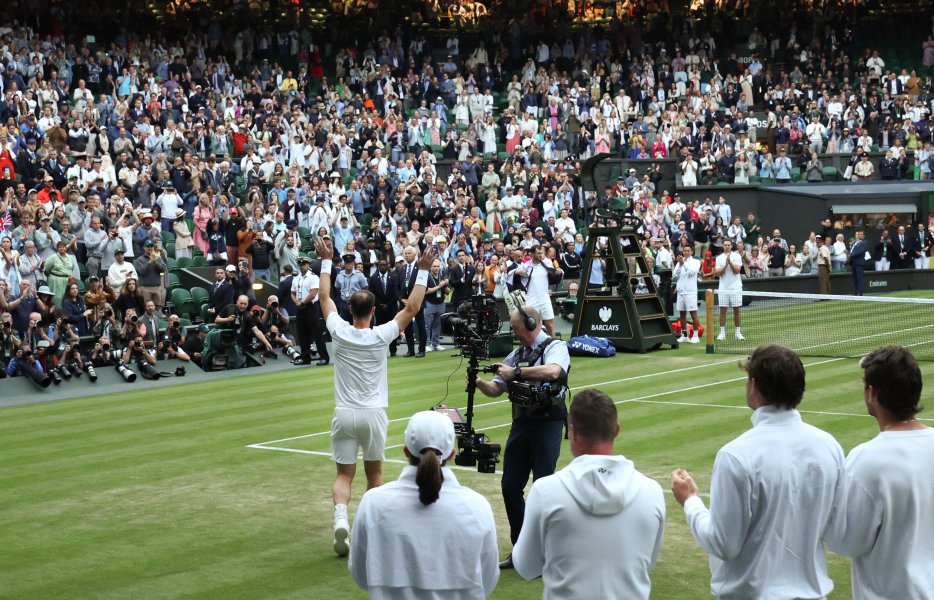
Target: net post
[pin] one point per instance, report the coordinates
(708, 299)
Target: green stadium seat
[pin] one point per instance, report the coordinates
(167, 237)
(206, 317)
(829, 173)
(171, 264)
(170, 249)
(184, 304)
(183, 262)
(200, 295)
(199, 261)
(83, 270)
(173, 281)
(82, 286)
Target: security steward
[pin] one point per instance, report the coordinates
(308, 314)
(536, 378)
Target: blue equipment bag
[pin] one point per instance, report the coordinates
(588, 345)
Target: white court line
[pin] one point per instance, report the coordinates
(493, 402)
(328, 455)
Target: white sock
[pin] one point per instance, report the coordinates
(340, 511)
(738, 331)
(723, 331)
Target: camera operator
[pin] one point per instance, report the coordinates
(274, 323)
(194, 344)
(172, 340)
(539, 370)
(9, 342)
(239, 318)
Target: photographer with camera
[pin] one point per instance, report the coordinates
(172, 340)
(101, 355)
(9, 342)
(241, 318)
(360, 382)
(536, 378)
(194, 344)
(274, 322)
(25, 363)
(136, 352)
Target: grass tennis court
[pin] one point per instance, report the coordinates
(178, 492)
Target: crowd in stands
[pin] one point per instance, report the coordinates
(124, 161)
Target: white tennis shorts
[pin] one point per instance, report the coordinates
(543, 305)
(356, 428)
(686, 302)
(732, 299)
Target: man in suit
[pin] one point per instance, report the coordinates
(221, 292)
(857, 259)
(903, 247)
(405, 282)
(884, 252)
(461, 278)
(384, 286)
(28, 164)
(922, 247)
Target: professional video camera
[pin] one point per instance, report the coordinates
(473, 326)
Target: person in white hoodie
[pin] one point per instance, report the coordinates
(575, 519)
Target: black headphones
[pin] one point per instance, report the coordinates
(527, 320)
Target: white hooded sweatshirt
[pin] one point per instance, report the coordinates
(592, 530)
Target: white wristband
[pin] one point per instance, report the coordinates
(421, 278)
(326, 266)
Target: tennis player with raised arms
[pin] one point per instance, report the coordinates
(361, 388)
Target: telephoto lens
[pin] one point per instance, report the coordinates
(92, 374)
(128, 375)
(56, 378)
(64, 372)
(74, 369)
(148, 371)
(291, 352)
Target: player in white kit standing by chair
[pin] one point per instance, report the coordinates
(728, 267)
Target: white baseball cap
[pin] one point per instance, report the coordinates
(430, 429)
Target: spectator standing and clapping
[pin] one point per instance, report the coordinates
(775, 492)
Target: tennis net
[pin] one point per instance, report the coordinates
(826, 325)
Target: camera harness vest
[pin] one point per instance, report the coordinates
(556, 390)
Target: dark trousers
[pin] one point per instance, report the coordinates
(858, 279)
(531, 448)
(381, 318)
(309, 328)
(417, 322)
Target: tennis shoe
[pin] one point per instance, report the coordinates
(694, 340)
(740, 336)
(341, 533)
(428, 349)
(439, 348)
(682, 338)
(721, 337)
